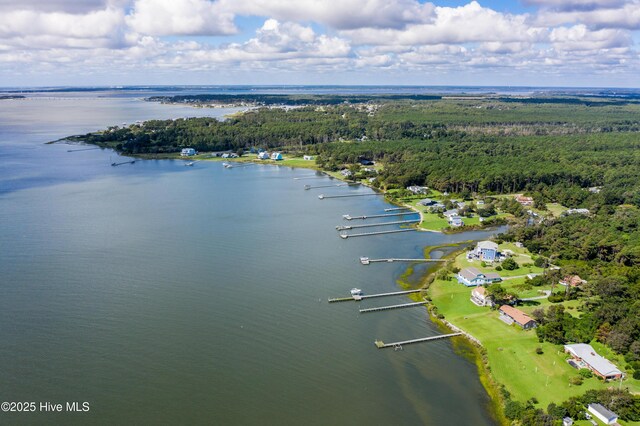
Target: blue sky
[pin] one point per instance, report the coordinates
(455, 42)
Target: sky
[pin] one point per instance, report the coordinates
(569, 43)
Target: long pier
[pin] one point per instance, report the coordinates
(366, 260)
(394, 209)
(349, 217)
(307, 187)
(381, 345)
(322, 196)
(386, 308)
(365, 234)
(123, 162)
(368, 225)
(310, 177)
(83, 149)
(372, 296)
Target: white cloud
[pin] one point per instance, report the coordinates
(180, 17)
(579, 38)
(340, 14)
(567, 5)
(469, 23)
(626, 16)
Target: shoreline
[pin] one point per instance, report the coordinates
(466, 341)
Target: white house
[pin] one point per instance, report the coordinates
(456, 221)
(486, 250)
(480, 297)
(473, 277)
(586, 356)
(418, 189)
(276, 156)
(264, 155)
(449, 213)
(188, 152)
(577, 211)
(307, 157)
(606, 416)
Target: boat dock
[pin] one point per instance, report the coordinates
(386, 308)
(395, 209)
(365, 234)
(322, 196)
(381, 345)
(372, 296)
(366, 260)
(310, 177)
(307, 187)
(368, 225)
(123, 162)
(348, 217)
(83, 149)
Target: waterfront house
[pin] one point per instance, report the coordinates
(264, 155)
(473, 277)
(455, 221)
(276, 156)
(567, 421)
(572, 281)
(437, 207)
(606, 416)
(487, 251)
(450, 213)
(585, 356)
(511, 315)
(480, 297)
(307, 157)
(346, 173)
(426, 202)
(525, 201)
(418, 189)
(576, 211)
(187, 152)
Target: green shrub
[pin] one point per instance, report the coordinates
(539, 350)
(576, 380)
(498, 268)
(509, 264)
(587, 374)
(636, 374)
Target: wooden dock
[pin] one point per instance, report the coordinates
(366, 260)
(394, 209)
(307, 187)
(381, 345)
(349, 217)
(372, 296)
(387, 308)
(123, 162)
(369, 225)
(365, 234)
(322, 196)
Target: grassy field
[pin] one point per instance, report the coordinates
(511, 351)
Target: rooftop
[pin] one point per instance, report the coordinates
(517, 315)
(597, 362)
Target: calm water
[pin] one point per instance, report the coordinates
(168, 294)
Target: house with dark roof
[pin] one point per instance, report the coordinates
(511, 315)
(585, 356)
(473, 277)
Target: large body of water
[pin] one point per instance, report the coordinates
(167, 294)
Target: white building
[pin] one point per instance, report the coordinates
(264, 155)
(473, 277)
(307, 157)
(606, 416)
(187, 152)
(480, 297)
(276, 156)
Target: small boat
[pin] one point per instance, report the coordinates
(190, 163)
(227, 165)
(356, 292)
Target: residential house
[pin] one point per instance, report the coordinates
(264, 155)
(418, 189)
(480, 297)
(525, 201)
(487, 251)
(586, 356)
(603, 414)
(455, 221)
(576, 211)
(572, 281)
(366, 162)
(511, 315)
(480, 203)
(276, 156)
(188, 152)
(437, 207)
(473, 277)
(567, 421)
(346, 173)
(307, 157)
(450, 213)
(426, 202)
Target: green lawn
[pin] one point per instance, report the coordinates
(511, 351)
